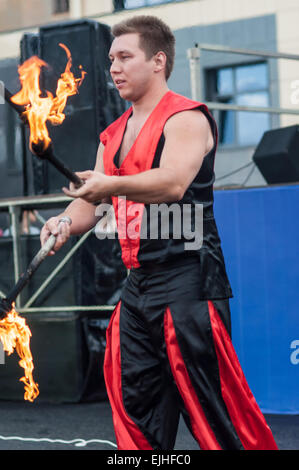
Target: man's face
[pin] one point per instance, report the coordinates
(130, 70)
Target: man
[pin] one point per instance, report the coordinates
(168, 342)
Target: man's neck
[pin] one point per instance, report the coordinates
(146, 104)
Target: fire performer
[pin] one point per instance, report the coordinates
(169, 348)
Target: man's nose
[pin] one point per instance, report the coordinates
(115, 66)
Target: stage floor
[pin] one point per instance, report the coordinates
(35, 426)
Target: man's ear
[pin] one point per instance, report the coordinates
(160, 61)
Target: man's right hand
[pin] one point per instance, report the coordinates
(62, 234)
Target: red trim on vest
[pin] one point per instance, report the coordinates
(128, 435)
(202, 431)
(139, 158)
(249, 422)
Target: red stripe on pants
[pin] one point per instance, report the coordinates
(200, 426)
(128, 435)
(248, 420)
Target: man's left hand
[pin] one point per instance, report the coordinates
(96, 186)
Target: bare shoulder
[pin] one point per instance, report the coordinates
(190, 124)
(193, 117)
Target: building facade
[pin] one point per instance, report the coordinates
(268, 25)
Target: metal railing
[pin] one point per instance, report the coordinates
(194, 55)
(14, 207)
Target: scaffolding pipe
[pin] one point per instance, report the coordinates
(194, 55)
(57, 269)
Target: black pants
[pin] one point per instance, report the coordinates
(169, 352)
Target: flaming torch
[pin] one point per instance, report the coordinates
(36, 110)
(14, 332)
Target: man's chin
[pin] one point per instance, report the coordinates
(126, 95)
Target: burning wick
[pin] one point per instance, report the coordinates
(38, 109)
(15, 334)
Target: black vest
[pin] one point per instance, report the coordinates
(214, 283)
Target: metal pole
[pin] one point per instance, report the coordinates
(195, 76)
(234, 50)
(15, 228)
(76, 9)
(254, 109)
(2, 294)
(40, 218)
(69, 308)
(57, 269)
(30, 201)
(7, 303)
(2, 92)
(194, 63)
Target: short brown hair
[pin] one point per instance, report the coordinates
(154, 35)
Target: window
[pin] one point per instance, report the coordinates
(61, 6)
(128, 4)
(241, 85)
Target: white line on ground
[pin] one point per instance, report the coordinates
(79, 442)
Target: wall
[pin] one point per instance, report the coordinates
(268, 25)
(259, 232)
(15, 14)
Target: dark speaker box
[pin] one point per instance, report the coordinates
(277, 155)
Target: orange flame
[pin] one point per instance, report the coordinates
(15, 334)
(40, 109)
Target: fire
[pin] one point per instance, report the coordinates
(15, 334)
(40, 109)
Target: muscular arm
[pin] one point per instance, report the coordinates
(188, 138)
(82, 212)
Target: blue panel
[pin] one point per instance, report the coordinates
(259, 230)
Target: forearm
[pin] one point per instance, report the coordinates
(82, 214)
(153, 186)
